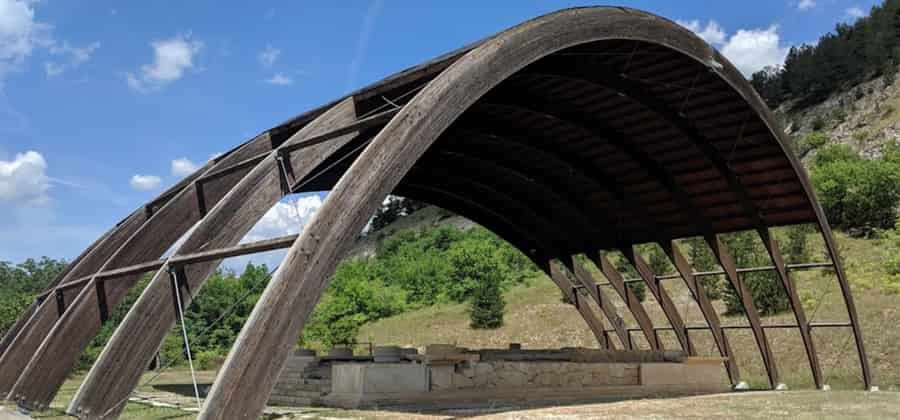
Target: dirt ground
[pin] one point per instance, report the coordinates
(749, 405)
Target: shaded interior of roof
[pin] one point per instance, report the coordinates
(602, 145)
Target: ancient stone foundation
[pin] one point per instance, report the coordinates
(450, 376)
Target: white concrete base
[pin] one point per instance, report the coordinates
(741, 386)
(781, 387)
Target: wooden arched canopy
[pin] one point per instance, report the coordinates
(581, 131)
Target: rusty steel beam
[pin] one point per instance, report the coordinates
(796, 305)
(709, 313)
(726, 261)
(631, 301)
(586, 279)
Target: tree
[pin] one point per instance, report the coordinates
(392, 209)
(474, 262)
(858, 195)
(768, 294)
(702, 259)
(845, 57)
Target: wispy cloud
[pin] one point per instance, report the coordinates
(280, 80)
(806, 4)
(182, 167)
(269, 56)
(71, 56)
(20, 35)
(171, 58)
(855, 12)
(144, 182)
(362, 43)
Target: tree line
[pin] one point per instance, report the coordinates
(851, 54)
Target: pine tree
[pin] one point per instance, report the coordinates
(487, 304)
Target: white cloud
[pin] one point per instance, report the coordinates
(753, 49)
(712, 33)
(287, 217)
(269, 56)
(362, 43)
(183, 167)
(76, 57)
(280, 80)
(806, 4)
(24, 179)
(20, 34)
(144, 182)
(171, 58)
(748, 49)
(855, 12)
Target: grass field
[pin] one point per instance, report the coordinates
(747, 405)
(537, 318)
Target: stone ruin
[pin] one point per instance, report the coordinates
(448, 376)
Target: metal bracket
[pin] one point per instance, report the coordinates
(99, 287)
(178, 282)
(60, 302)
(201, 198)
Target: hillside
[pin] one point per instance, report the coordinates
(865, 117)
(537, 318)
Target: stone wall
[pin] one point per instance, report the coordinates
(512, 375)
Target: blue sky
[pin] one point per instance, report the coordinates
(103, 104)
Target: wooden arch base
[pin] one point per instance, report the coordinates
(639, 131)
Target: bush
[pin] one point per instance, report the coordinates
(859, 196)
(208, 359)
(487, 305)
(475, 264)
(797, 244)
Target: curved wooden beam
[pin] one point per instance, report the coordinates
(796, 305)
(137, 338)
(466, 205)
(631, 301)
(726, 261)
(558, 276)
(547, 106)
(709, 313)
(33, 332)
(58, 353)
(662, 297)
(586, 279)
(266, 338)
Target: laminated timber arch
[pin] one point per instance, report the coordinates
(638, 130)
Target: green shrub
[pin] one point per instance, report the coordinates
(859, 196)
(208, 359)
(475, 264)
(797, 244)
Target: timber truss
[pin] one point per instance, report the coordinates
(579, 132)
